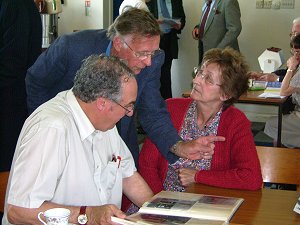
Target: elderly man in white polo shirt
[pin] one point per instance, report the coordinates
(69, 153)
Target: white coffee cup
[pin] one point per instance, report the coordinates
(55, 216)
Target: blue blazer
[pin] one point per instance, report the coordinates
(55, 70)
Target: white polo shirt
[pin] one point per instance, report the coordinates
(61, 158)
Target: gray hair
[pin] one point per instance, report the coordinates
(296, 20)
(101, 76)
(134, 21)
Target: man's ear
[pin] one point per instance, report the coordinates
(117, 43)
(101, 103)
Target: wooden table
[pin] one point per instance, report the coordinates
(251, 97)
(263, 207)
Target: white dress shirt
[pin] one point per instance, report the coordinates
(61, 158)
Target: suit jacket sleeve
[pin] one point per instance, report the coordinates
(152, 111)
(47, 71)
(20, 41)
(281, 73)
(178, 11)
(233, 23)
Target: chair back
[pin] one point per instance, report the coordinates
(280, 165)
(3, 185)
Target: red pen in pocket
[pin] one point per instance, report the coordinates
(119, 160)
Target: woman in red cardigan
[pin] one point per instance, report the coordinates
(221, 79)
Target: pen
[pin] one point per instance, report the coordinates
(119, 160)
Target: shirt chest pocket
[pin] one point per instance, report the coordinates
(111, 180)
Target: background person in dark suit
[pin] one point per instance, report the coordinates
(169, 40)
(20, 45)
(222, 27)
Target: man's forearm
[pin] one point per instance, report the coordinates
(21, 215)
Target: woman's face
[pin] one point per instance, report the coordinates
(206, 84)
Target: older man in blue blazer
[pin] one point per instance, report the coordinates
(221, 28)
(134, 37)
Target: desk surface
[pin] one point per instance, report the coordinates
(263, 207)
(252, 97)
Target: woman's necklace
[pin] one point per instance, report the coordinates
(204, 124)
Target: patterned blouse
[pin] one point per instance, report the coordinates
(188, 132)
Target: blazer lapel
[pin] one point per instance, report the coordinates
(211, 14)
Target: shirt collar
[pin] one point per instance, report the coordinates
(108, 49)
(205, 4)
(85, 127)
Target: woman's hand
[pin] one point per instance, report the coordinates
(292, 63)
(186, 176)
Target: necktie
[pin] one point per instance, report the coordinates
(164, 9)
(204, 18)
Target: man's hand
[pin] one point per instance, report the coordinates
(102, 214)
(270, 77)
(186, 176)
(200, 148)
(195, 33)
(177, 26)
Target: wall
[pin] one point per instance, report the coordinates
(73, 15)
(262, 28)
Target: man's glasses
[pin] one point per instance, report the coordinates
(294, 34)
(295, 51)
(206, 77)
(141, 55)
(128, 109)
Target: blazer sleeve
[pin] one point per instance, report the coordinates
(48, 70)
(152, 111)
(178, 11)
(232, 21)
(281, 73)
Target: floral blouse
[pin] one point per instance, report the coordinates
(190, 131)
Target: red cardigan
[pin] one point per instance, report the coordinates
(235, 163)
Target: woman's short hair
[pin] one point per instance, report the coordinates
(233, 70)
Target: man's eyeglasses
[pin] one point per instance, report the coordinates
(294, 34)
(141, 55)
(295, 51)
(206, 77)
(128, 109)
